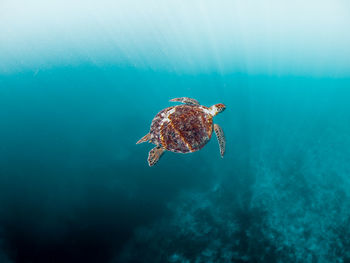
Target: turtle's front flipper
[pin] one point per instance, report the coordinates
(154, 155)
(186, 100)
(221, 138)
(145, 138)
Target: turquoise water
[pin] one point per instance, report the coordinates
(74, 186)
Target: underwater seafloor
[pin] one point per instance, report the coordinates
(74, 186)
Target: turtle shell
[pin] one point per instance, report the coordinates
(183, 128)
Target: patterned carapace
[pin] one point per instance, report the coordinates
(182, 128)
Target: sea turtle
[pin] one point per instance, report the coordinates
(183, 129)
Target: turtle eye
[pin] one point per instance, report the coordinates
(221, 107)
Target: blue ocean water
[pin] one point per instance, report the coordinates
(77, 93)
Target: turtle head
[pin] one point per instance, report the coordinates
(217, 108)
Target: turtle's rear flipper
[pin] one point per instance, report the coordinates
(144, 138)
(221, 139)
(186, 100)
(154, 155)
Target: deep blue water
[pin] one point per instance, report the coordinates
(74, 186)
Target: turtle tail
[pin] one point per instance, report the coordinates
(145, 138)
